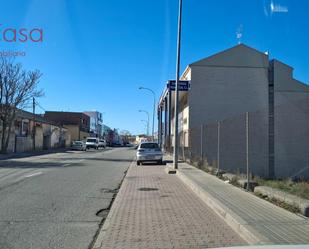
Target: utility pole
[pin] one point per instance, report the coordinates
(176, 140)
(34, 128)
(247, 149)
(218, 147)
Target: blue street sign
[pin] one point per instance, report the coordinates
(183, 85)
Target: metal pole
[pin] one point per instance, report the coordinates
(154, 107)
(148, 124)
(153, 115)
(175, 159)
(218, 148)
(147, 121)
(34, 128)
(247, 148)
(201, 144)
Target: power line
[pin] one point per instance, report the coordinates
(38, 104)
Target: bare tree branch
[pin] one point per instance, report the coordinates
(17, 88)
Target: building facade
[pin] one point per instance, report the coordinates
(77, 123)
(28, 135)
(212, 115)
(96, 123)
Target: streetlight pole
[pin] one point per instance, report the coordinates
(147, 121)
(34, 127)
(175, 156)
(154, 107)
(102, 125)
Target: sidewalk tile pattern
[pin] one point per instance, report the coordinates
(167, 215)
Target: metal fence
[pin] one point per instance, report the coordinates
(238, 144)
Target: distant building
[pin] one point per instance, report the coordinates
(77, 123)
(141, 138)
(224, 87)
(96, 123)
(48, 134)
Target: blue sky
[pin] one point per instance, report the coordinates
(96, 53)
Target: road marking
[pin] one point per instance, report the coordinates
(67, 164)
(15, 174)
(34, 174)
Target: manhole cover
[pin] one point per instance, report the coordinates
(148, 189)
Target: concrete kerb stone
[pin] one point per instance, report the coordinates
(99, 239)
(232, 219)
(169, 169)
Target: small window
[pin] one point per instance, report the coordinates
(24, 128)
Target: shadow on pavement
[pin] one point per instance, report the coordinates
(33, 153)
(25, 165)
(111, 159)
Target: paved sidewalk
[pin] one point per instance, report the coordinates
(257, 220)
(156, 210)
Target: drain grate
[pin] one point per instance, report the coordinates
(148, 189)
(102, 213)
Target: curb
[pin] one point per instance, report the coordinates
(251, 236)
(103, 229)
(290, 199)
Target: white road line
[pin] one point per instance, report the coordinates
(34, 174)
(8, 171)
(14, 174)
(66, 164)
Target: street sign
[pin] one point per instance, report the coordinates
(183, 85)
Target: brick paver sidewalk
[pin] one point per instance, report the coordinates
(156, 210)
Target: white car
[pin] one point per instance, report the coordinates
(78, 145)
(102, 143)
(92, 142)
(149, 152)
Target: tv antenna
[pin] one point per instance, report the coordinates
(239, 33)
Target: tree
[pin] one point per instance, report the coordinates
(125, 136)
(17, 88)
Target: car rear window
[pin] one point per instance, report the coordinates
(149, 146)
(92, 140)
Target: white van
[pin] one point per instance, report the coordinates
(92, 142)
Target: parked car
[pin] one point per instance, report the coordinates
(149, 152)
(102, 143)
(92, 142)
(78, 145)
(136, 146)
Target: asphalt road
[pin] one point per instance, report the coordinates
(52, 201)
